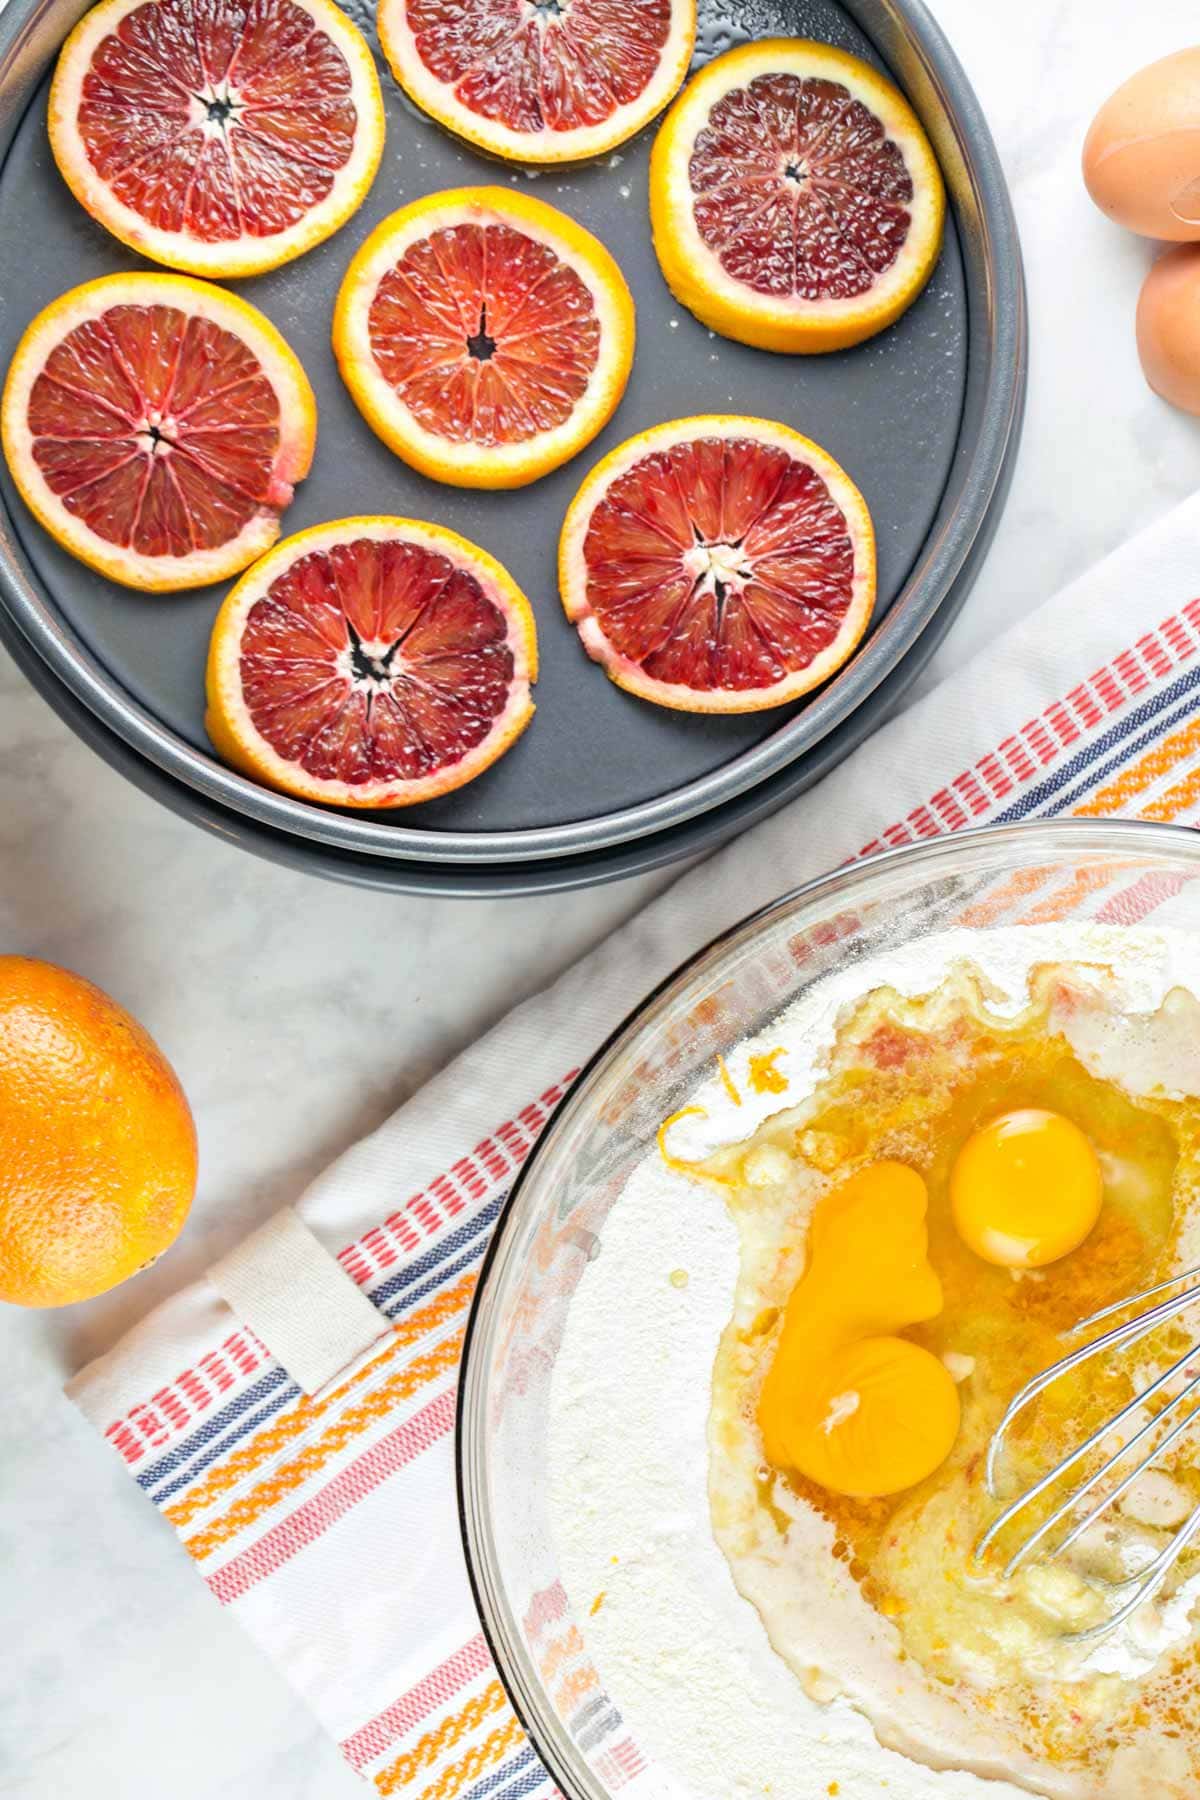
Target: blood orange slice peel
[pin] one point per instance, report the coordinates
(539, 81)
(218, 138)
(795, 200)
(372, 662)
(484, 335)
(718, 564)
(155, 425)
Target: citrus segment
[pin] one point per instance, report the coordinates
(155, 426)
(718, 565)
(485, 336)
(539, 80)
(372, 662)
(214, 138)
(795, 201)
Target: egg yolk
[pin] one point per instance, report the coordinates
(846, 1401)
(1026, 1189)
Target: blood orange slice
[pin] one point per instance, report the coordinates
(155, 425)
(485, 336)
(718, 565)
(542, 81)
(372, 662)
(219, 136)
(795, 201)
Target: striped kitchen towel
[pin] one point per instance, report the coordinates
(293, 1474)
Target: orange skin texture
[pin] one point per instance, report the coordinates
(97, 1143)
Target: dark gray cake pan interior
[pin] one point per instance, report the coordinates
(924, 418)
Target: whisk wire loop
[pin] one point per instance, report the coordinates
(1147, 1581)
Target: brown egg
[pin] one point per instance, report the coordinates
(1141, 157)
(1168, 327)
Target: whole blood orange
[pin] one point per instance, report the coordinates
(795, 201)
(718, 564)
(542, 81)
(372, 662)
(222, 139)
(485, 335)
(155, 425)
(97, 1144)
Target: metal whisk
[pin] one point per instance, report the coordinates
(1145, 1582)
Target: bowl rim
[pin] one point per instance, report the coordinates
(500, 1631)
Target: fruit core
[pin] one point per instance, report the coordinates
(484, 334)
(218, 108)
(481, 346)
(717, 567)
(798, 190)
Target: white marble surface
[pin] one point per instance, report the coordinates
(299, 1013)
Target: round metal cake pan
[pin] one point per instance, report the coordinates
(926, 418)
(465, 881)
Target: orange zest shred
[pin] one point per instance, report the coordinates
(678, 1163)
(765, 1078)
(727, 1081)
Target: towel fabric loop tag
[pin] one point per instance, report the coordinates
(285, 1286)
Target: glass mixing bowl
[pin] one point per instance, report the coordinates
(1123, 873)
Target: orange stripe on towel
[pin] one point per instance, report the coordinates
(280, 1432)
(1158, 761)
(312, 1459)
(433, 1690)
(998, 902)
(1181, 798)
(444, 1736)
(458, 1775)
(1066, 898)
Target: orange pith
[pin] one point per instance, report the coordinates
(795, 200)
(718, 564)
(155, 426)
(97, 1145)
(539, 82)
(373, 662)
(219, 139)
(485, 336)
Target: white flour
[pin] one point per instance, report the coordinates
(682, 1654)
